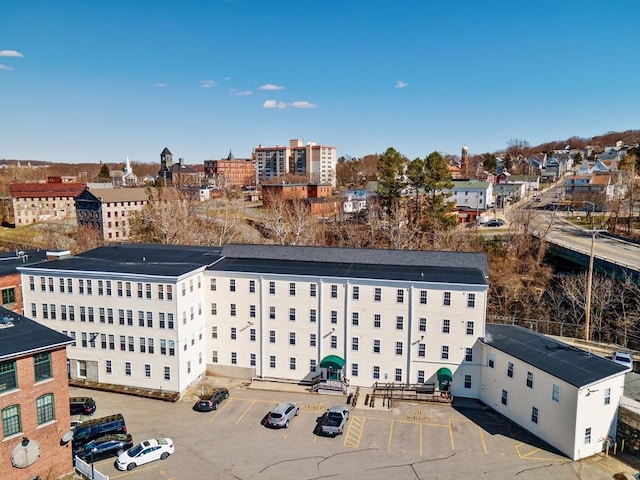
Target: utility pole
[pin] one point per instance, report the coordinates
(587, 313)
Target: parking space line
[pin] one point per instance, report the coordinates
(245, 412)
(354, 432)
(421, 439)
(453, 447)
(135, 470)
(390, 436)
(484, 444)
(219, 410)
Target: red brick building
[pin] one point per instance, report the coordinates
(230, 171)
(41, 202)
(34, 400)
(10, 278)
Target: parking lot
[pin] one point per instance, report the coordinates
(410, 441)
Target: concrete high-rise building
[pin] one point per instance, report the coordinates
(316, 162)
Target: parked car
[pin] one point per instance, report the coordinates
(98, 427)
(78, 419)
(210, 401)
(623, 358)
(334, 421)
(282, 415)
(103, 447)
(145, 452)
(495, 223)
(82, 406)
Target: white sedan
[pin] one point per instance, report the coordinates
(145, 452)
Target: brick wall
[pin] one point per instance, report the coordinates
(55, 459)
(13, 280)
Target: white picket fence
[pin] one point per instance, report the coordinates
(85, 469)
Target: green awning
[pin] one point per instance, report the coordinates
(444, 374)
(333, 362)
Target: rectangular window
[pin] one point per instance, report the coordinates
(8, 296)
(43, 284)
(140, 292)
(214, 332)
(376, 372)
(292, 363)
(252, 311)
(252, 334)
(587, 436)
(491, 360)
(354, 369)
(530, 379)
(132, 347)
(470, 327)
(399, 348)
(555, 393)
(123, 343)
(505, 396)
(150, 319)
(509, 369)
(355, 319)
(213, 285)
(399, 323)
(112, 342)
(607, 396)
(103, 340)
(127, 287)
(63, 312)
(102, 315)
(355, 293)
(312, 340)
(534, 414)
(292, 314)
(423, 297)
(130, 318)
(234, 333)
(82, 368)
(444, 354)
(313, 365)
(446, 326)
(45, 408)
(42, 366)
(252, 286)
(334, 316)
(292, 289)
(422, 350)
(272, 313)
(420, 376)
(334, 341)
(377, 320)
(84, 338)
(45, 311)
(150, 345)
(232, 285)
(398, 375)
(140, 318)
(313, 315)
(467, 381)
(11, 421)
(234, 358)
(160, 292)
(143, 345)
(89, 287)
(376, 346)
(169, 292)
(120, 316)
(252, 359)
(422, 324)
(61, 285)
(272, 361)
(232, 310)
(354, 343)
(334, 291)
(272, 288)
(313, 289)
(108, 366)
(51, 287)
(69, 285)
(468, 354)
(147, 370)
(83, 314)
(400, 296)
(163, 346)
(292, 338)
(110, 315)
(32, 284)
(108, 288)
(52, 308)
(471, 300)
(446, 299)
(214, 356)
(119, 288)
(377, 294)
(147, 289)
(272, 336)
(170, 321)
(127, 368)
(167, 373)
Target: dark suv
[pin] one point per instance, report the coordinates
(210, 401)
(103, 447)
(98, 427)
(82, 406)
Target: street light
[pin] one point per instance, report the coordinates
(587, 314)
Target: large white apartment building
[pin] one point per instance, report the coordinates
(317, 162)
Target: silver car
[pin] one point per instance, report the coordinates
(282, 415)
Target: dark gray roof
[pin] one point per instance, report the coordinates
(20, 335)
(566, 362)
(141, 259)
(442, 267)
(9, 262)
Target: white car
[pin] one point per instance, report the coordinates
(145, 452)
(623, 358)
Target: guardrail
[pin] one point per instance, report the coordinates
(88, 470)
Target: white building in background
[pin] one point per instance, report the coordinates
(316, 162)
(472, 194)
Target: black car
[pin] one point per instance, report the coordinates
(96, 428)
(210, 401)
(103, 447)
(82, 406)
(495, 223)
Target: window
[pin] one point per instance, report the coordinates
(32, 284)
(530, 379)
(555, 393)
(354, 369)
(312, 340)
(491, 360)
(234, 358)
(127, 368)
(446, 299)
(170, 320)
(334, 316)
(355, 293)
(471, 300)
(108, 366)
(103, 340)
(467, 381)
(45, 311)
(140, 318)
(272, 361)
(232, 311)
(140, 293)
(232, 285)
(252, 311)
(109, 288)
(334, 341)
(334, 291)
(169, 294)
(34, 311)
(505, 396)
(292, 290)
(354, 343)
(469, 327)
(252, 359)
(272, 313)
(147, 288)
(355, 319)
(377, 294)
(147, 370)
(234, 333)
(272, 336)
(420, 376)
(468, 354)
(292, 338)
(127, 286)
(214, 356)
(84, 339)
(101, 315)
(8, 376)
(131, 342)
(51, 287)
(167, 373)
(52, 308)
(130, 318)
(376, 346)
(272, 288)
(400, 296)
(8, 296)
(150, 319)
(313, 316)
(112, 342)
(43, 284)
(312, 365)
(119, 288)
(422, 324)
(422, 350)
(292, 314)
(163, 346)
(423, 297)
(399, 323)
(399, 348)
(150, 344)
(376, 372)
(534, 414)
(446, 326)
(444, 353)
(313, 290)
(587, 435)
(82, 368)
(143, 345)
(110, 315)
(398, 375)
(42, 366)
(11, 423)
(377, 320)
(607, 396)
(252, 286)
(184, 289)
(292, 363)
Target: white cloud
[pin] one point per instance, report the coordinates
(242, 93)
(161, 85)
(10, 53)
(401, 84)
(274, 104)
(304, 104)
(270, 86)
(5, 67)
(207, 83)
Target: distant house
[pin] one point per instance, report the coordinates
(34, 399)
(42, 202)
(531, 182)
(472, 198)
(355, 201)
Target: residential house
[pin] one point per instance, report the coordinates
(566, 396)
(34, 399)
(42, 202)
(472, 198)
(354, 201)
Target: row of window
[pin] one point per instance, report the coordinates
(128, 343)
(42, 370)
(106, 315)
(128, 369)
(12, 419)
(355, 292)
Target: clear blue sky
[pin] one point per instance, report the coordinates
(90, 81)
